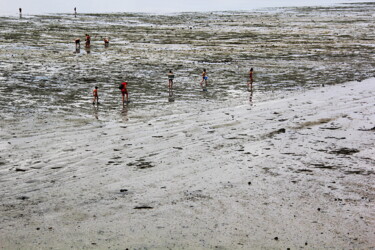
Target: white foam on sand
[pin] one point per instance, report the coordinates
(287, 173)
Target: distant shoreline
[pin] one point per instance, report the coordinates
(13, 10)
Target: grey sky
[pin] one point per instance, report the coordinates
(10, 7)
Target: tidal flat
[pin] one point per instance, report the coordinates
(289, 48)
(286, 165)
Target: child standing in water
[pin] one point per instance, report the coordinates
(124, 92)
(96, 96)
(170, 79)
(204, 78)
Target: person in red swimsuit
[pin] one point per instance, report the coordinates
(96, 96)
(124, 92)
(88, 41)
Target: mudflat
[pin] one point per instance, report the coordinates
(288, 164)
(288, 173)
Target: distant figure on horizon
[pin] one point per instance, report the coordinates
(88, 41)
(75, 12)
(251, 79)
(106, 42)
(124, 91)
(20, 9)
(96, 96)
(170, 79)
(204, 78)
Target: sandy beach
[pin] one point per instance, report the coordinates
(288, 165)
(293, 172)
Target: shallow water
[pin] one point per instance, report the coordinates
(42, 76)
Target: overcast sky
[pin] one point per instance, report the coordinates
(10, 7)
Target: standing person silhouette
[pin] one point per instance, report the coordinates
(170, 79)
(204, 79)
(88, 41)
(20, 9)
(251, 79)
(78, 43)
(96, 96)
(106, 42)
(124, 91)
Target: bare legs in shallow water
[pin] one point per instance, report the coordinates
(96, 96)
(170, 79)
(204, 79)
(251, 80)
(125, 97)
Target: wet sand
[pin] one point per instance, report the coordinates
(288, 165)
(289, 48)
(293, 172)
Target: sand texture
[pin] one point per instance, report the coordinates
(295, 172)
(289, 164)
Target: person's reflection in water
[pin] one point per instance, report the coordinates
(124, 113)
(96, 112)
(78, 50)
(251, 95)
(170, 96)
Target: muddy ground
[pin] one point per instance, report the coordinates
(289, 164)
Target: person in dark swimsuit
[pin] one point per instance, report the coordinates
(106, 42)
(78, 43)
(170, 79)
(204, 78)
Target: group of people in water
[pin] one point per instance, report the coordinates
(125, 93)
(123, 85)
(88, 42)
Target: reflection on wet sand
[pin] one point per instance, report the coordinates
(96, 111)
(250, 89)
(124, 113)
(171, 96)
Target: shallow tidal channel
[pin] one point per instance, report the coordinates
(43, 76)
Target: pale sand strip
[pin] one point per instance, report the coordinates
(289, 173)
